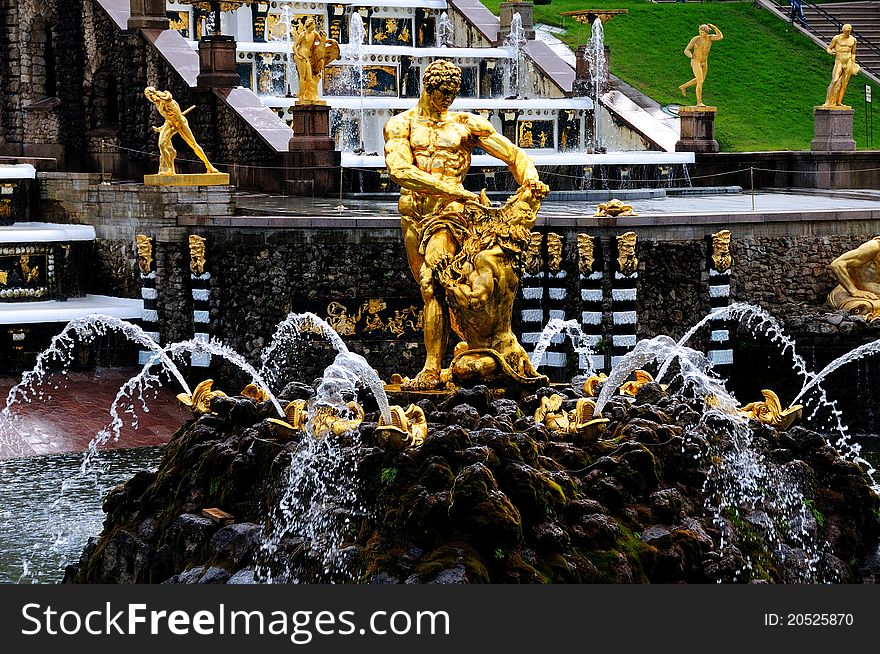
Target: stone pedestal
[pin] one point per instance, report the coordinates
(148, 15)
(583, 85)
(697, 129)
(188, 179)
(217, 63)
(506, 10)
(312, 161)
(832, 129)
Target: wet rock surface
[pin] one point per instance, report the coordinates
(491, 496)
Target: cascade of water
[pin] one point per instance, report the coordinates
(759, 322)
(320, 486)
(286, 339)
(595, 53)
(740, 482)
(356, 38)
(513, 42)
(580, 341)
(60, 349)
(444, 31)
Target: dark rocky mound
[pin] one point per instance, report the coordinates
(491, 496)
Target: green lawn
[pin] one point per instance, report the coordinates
(764, 77)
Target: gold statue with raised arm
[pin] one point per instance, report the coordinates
(465, 254)
(858, 274)
(176, 123)
(843, 49)
(312, 51)
(697, 51)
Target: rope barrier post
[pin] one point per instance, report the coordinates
(752, 182)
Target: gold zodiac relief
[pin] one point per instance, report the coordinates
(554, 252)
(340, 320)
(721, 258)
(28, 274)
(770, 411)
(196, 255)
(374, 321)
(585, 246)
(144, 246)
(525, 134)
(627, 262)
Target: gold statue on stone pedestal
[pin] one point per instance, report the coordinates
(312, 51)
(176, 123)
(858, 274)
(698, 52)
(843, 49)
(465, 254)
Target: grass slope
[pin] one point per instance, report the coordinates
(764, 76)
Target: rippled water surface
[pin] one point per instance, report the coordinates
(48, 511)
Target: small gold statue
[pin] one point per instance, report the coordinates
(550, 413)
(255, 392)
(614, 207)
(144, 245)
(582, 421)
(312, 51)
(858, 276)
(843, 49)
(176, 123)
(593, 382)
(408, 428)
(721, 259)
(627, 262)
(770, 411)
(465, 254)
(698, 52)
(586, 253)
(200, 400)
(196, 255)
(632, 387)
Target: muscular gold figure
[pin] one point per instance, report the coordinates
(312, 51)
(858, 274)
(843, 49)
(175, 123)
(698, 52)
(428, 153)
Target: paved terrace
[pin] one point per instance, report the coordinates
(679, 215)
